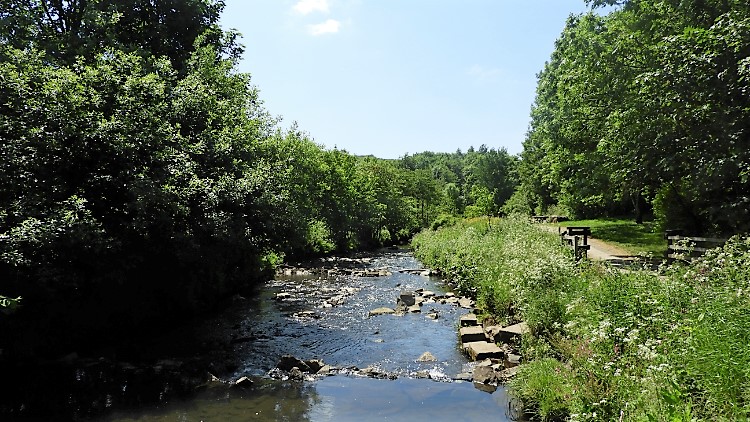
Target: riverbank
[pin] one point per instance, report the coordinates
(606, 344)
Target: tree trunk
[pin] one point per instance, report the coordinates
(638, 205)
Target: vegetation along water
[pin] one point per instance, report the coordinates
(607, 344)
(143, 185)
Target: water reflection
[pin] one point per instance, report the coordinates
(336, 399)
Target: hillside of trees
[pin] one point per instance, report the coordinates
(142, 179)
(646, 109)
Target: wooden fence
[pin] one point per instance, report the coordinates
(685, 248)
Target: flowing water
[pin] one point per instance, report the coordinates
(327, 318)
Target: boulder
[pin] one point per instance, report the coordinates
(315, 365)
(492, 332)
(244, 382)
(422, 374)
(463, 376)
(485, 375)
(326, 370)
(382, 311)
(407, 298)
(433, 315)
(508, 374)
(427, 357)
(288, 362)
(295, 374)
(466, 303)
(414, 309)
(487, 388)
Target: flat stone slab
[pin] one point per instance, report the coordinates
(481, 350)
(382, 311)
(512, 333)
(472, 334)
(468, 320)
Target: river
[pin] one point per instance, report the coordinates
(327, 318)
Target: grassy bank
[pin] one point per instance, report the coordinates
(607, 345)
(625, 233)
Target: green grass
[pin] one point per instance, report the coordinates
(607, 344)
(634, 238)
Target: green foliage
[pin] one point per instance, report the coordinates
(645, 106)
(475, 183)
(141, 178)
(606, 344)
(8, 304)
(443, 220)
(319, 238)
(547, 386)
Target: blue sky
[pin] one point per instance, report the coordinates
(391, 77)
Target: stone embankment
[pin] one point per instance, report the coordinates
(497, 364)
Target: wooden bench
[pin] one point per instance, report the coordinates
(577, 238)
(684, 248)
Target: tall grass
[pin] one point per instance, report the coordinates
(607, 344)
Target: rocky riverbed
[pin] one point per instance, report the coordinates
(310, 329)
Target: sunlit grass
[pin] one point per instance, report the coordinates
(635, 238)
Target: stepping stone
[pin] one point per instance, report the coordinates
(471, 334)
(382, 311)
(481, 350)
(512, 333)
(407, 298)
(468, 320)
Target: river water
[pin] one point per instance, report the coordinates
(327, 318)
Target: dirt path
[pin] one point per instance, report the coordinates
(604, 251)
(600, 250)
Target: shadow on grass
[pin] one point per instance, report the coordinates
(636, 238)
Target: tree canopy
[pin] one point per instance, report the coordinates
(646, 108)
(141, 177)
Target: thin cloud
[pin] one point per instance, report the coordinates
(306, 7)
(331, 26)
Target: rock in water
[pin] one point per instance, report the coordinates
(407, 298)
(288, 362)
(244, 382)
(382, 311)
(296, 374)
(427, 357)
(485, 375)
